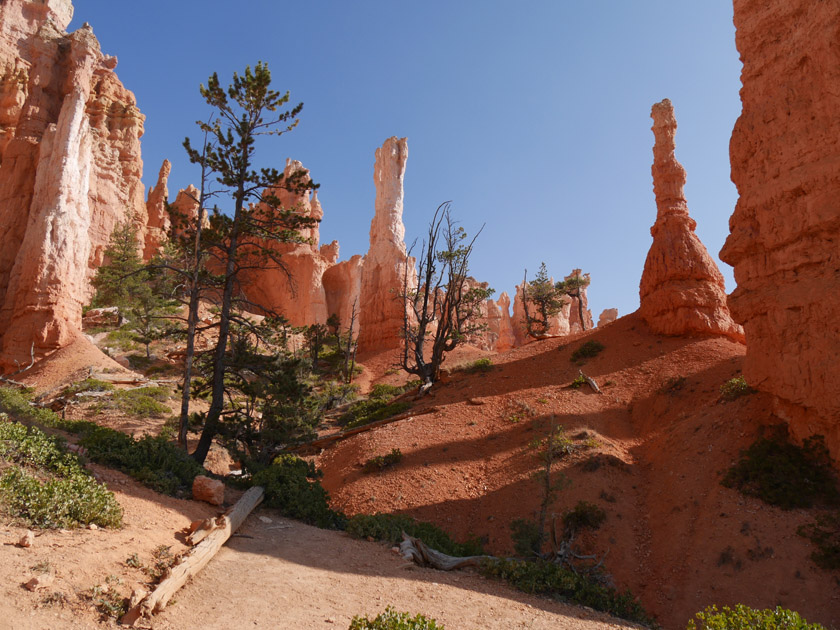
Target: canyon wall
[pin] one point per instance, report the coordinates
(785, 232)
(70, 170)
(682, 290)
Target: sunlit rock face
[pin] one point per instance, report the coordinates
(607, 316)
(785, 232)
(70, 169)
(682, 290)
(386, 262)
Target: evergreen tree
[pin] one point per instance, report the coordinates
(541, 299)
(119, 278)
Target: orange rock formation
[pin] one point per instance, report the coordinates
(682, 290)
(70, 170)
(784, 232)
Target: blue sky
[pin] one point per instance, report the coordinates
(532, 117)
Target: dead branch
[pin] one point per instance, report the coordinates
(418, 552)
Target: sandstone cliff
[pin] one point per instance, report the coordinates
(784, 232)
(70, 170)
(682, 290)
(607, 316)
(383, 274)
(159, 222)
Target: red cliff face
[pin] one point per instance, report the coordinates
(786, 226)
(70, 170)
(682, 290)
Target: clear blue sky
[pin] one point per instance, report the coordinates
(532, 116)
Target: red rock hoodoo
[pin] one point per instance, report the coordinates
(786, 226)
(384, 271)
(70, 170)
(682, 290)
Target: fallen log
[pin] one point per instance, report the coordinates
(316, 445)
(196, 558)
(417, 551)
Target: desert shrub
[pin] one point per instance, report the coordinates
(381, 462)
(87, 385)
(584, 515)
(16, 404)
(543, 577)
(735, 388)
(153, 461)
(746, 618)
(123, 338)
(377, 406)
(393, 620)
(587, 350)
(292, 485)
(108, 599)
(786, 475)
(478, 366)
(579, 382)
(48, 487)
(526, 536)
(143, 401)
(824, 533)
(389, 527)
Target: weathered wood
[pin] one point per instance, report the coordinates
(417, 551)
(591, 382)
(315, 445)
(196, 558)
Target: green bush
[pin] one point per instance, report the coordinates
(87, 385)
(824, 533)
(786, 475)
(153, 461)
(587, 351)
(542, 577)
(389, 527)
(142, 402)
(478, 366)
(579, 382)
(61, 493)
(735, 388)
(377, 406)
(393, 620)
(381, 462)
(746, 618)
(123, 338)
(16, 404)
(525, 534)
(292, 486)
(585, 515)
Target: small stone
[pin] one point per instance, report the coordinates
(209, 490)
(93, 526)
(27, 539)
(40, 581)
(265, 519)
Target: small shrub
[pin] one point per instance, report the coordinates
(584, 515)
(138, 361)
(746, 618)
(543, 577)
(122, 339)
(525, 534)
(377, 406)
(824, 533)
(153, 461)
(162, 560)
(107, 598)
(143, 401)
(479, 366)
(381, 462)
(87, 385)
(389, 528)
(786, 475)
(579, 382)
(292, 486)
(735, 388)
(588, 350)
(393, 620)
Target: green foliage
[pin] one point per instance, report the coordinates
(122, 339)
(389, 528)
(292, 485)
(584, 515)
(107, 598)
(735, 388)
(119, 278)
(162, 560)
(14, 403)
(542, 300)
(60, 493)
(381, 462)
(526, 536)
(548, 578)
(393, 620)
(786, 475)
(587, 350)
(746, 618)
(579, 382)
(87, 385)
(377, 406)
(143, 402)
(479, 366)
(153, 461)
(824, 533)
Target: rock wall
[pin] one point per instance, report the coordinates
(383, 274)
(70, 170)
(786, 226)
(607, 316)
(159, 222)
(682, 290)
